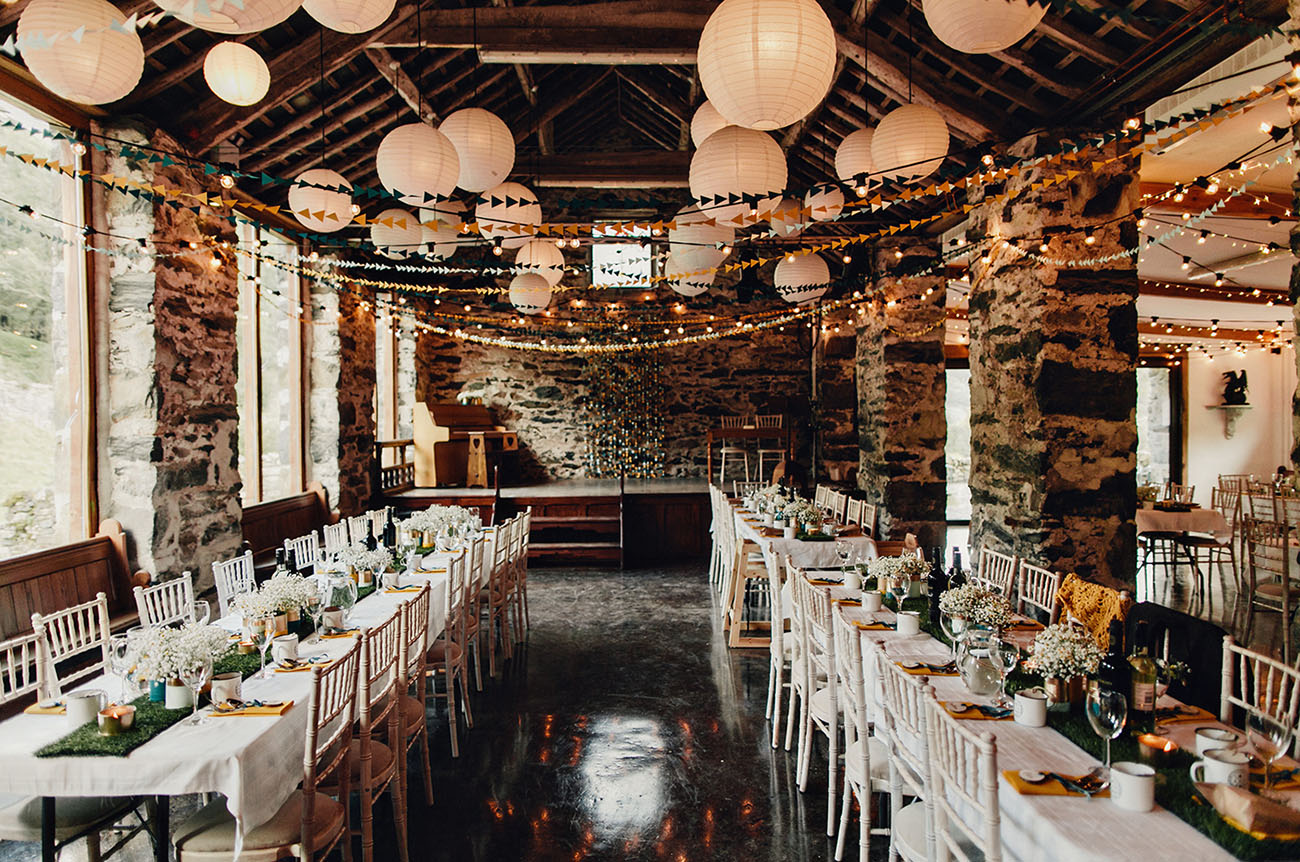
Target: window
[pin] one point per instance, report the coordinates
(1155, 449)
(956, 452)
(44, 372)
(619, 262)
(386, 418)
(269, 332)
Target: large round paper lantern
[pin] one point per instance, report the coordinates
(825, 202)
(981, 26)
(508, 212)
(396, 233)
(765, 64)
(319, 209)
(231, 16)
(485, 145)
(801, 278)
(542, 257)
(699, 242)
(853, 156)
(350, 16)
(101, 65)
(705, 122)
(443, 240)
(417, 162)
(786, 218)
(236, 73)
(529, 293)
(910, 142)
(688, 285)
(735, 161)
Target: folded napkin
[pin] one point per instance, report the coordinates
(1280, 778)
(1258, 816)
(299, 666)
(848, 532)
(873, 627)
(1183, 714)
(976, 711)
(770, 532)
(927, 669)
(411, 589)
(1025, 626)
(56, 709)
(823, 582)
(254, 709)
(857, 603)
(441, 571)
(1046, 787)
(346, 633)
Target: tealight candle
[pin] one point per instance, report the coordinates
(246, 648)
(1155, 750)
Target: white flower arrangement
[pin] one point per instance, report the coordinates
(161, 653)
(977, 605)
(802, 511)
(363, 560)
(1064, 652)
(909, 565)
(288, 592)
(443, 519)
(255, 604)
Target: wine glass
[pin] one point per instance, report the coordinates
(1006, 656)
(195, 674)
(1270, 736)
(262, 632)
(899, 586)
(201, 612)
(316, 610)
(1107, 710)
(843, 550)
(120, 659)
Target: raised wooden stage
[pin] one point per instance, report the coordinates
(589, 521)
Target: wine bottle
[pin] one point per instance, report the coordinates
(1142, 701)
(280, 568)
(390, 529)
(371, 544)
(936, 582)
(1114, 672)
(291, 560)
(956, 577)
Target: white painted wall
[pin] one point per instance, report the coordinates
(1263, 436)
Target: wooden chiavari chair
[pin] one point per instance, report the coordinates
(1270, 560)
(765, 450)
(447, 656)
(499, 596)
(414, 667)
(732, 449)
(1180, 493)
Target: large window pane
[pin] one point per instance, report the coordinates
(42, 357)
(277, 334)
(1154, 420)
(956, 453)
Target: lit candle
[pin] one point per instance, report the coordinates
(1155, 750)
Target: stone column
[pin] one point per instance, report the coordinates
(1053, 367)
(838, 404)
(902, 428)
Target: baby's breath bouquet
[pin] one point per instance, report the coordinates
(159, 653)
(288, 592)
(440, 520)
(255, 605)
(802, 511)
(910, 566)
(976, 605)
(1063, 652)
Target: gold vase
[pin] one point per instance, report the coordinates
(1064, 691)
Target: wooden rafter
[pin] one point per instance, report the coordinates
(391, 71)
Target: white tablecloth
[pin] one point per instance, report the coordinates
(1196, 521)
(805, 555)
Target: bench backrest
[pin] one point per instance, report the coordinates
(267, 525)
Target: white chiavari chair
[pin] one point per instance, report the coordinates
(869, 516)
(474, 608)
(740, 490)
(167, 602)
(853, 511)
(997, 571)
(732, 449)
(336, 537)
(963, 787)
(1037, 591)
(20, 671)
(414, 664)
(821, 712)
(447, 655)
(1256, 684)
(781, 653)
(79, 631)
(305, 549)
(499, 596)
(903, 698)
(866, 759)
(765, 450)
(819, 497)
(798, 679)
(233, 578)
(377, 519)
(512, 583)
(359, 529)
(715, 527)
(310, 823)
(839, 505)
(1179, 493)
(1270, 563)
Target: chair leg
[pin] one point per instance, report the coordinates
(94, 849)
(792, 712)
(397, 793)
(464, 693)
(367, 801)
(523, 592)
(832, 775)
(451, 710)
(424, 766)
(844, 819)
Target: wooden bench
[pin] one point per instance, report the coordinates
(67, 575)
(267, 525)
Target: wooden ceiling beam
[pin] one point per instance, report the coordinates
(1083, 43)
(391, 71)
(529, 87)
(576, 95)
(662, 99)
(175, 74)
(684, 135)
(1021, 60)
(310, 118)
(636, 169)
(308, 122)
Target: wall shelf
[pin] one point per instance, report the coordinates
(1231, 413)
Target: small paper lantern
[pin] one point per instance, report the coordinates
(485, 146)
(529, 293)
(981, 26)
(321, 210)
(735, 161)
(910, 142)
(508, 212)
(765, 64)
(400, 238)
(691, 282)
(236, 73)
(853, 156)
(443, 240)
(417, 162)
(350, 16)
(542, 257)
(801, 278)
(786, 218)
(101, 65)
(705, 122)
(231, 16)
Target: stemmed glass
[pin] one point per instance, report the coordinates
(843, 550)
(1107, 709)
(899, 586)
(120, 660)
(261, 632)
(196, 674)
(1005, 655)
(316, 610)
(201, 612)
(1270, 736)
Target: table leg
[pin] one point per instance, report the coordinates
(48, 851)
(162, 846)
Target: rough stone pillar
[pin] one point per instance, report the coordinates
(837, 398)
(1053, 360)
(902, 428)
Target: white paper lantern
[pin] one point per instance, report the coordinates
(765, 64)
(691, 282)
(542, 257)
(350, 16)
(401, 237)
(692, 236)
(826, 202)
(786, 218)
(801, 278)
(417, 162)
(734, 161)
(853, 156)
(231, 16)
(321, 210)
(102, 66)
(910, 142)
(236, 73)
(705, 122)
(981, 26)
(508, 212)
(443, 240)
(529, 293)
(485, 145)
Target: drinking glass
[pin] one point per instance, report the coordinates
(899, 586)
(196, 674)
(1107, 709)
(843, 550)
(120, 660)
(201, 612)
(261, 633)
(1270, 736)
(1005, 655)
(316, 610)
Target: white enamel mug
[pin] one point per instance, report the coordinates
(284, 647)
(1031, 707)
(1133, 786)
(1208, 738)
(871, 602)
(1222, 766)
(84, 706)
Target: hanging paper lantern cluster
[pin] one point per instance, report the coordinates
(231, 16)
(325, 211)
(853, 156)
(417, 162)
(705, 122)
(508, 212)
(801, 278)
(826, 202)
(93, 67)
(765, 64)
(786, 218)
(981, 26)
(529, 293)
(350, 16)
(485, 146)
(401, 237)
(735, 161)
(236, 73)
(910, 142)
(543, 258)
(442, 241)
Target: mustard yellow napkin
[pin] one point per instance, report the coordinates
(278, 709)
(404, 589)
(304, 666)
(873, 627)
(343, 634)
(973, 711)
(928, 669)
(1047, 787)
(37, 709)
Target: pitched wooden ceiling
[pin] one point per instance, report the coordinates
(601, 95)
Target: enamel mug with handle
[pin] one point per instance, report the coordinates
(1222, 766)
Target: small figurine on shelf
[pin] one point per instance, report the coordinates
(1234, 387)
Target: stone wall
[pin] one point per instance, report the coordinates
(838, 408)
(1053, 431)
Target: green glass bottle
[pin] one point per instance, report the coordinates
(1142, 703)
